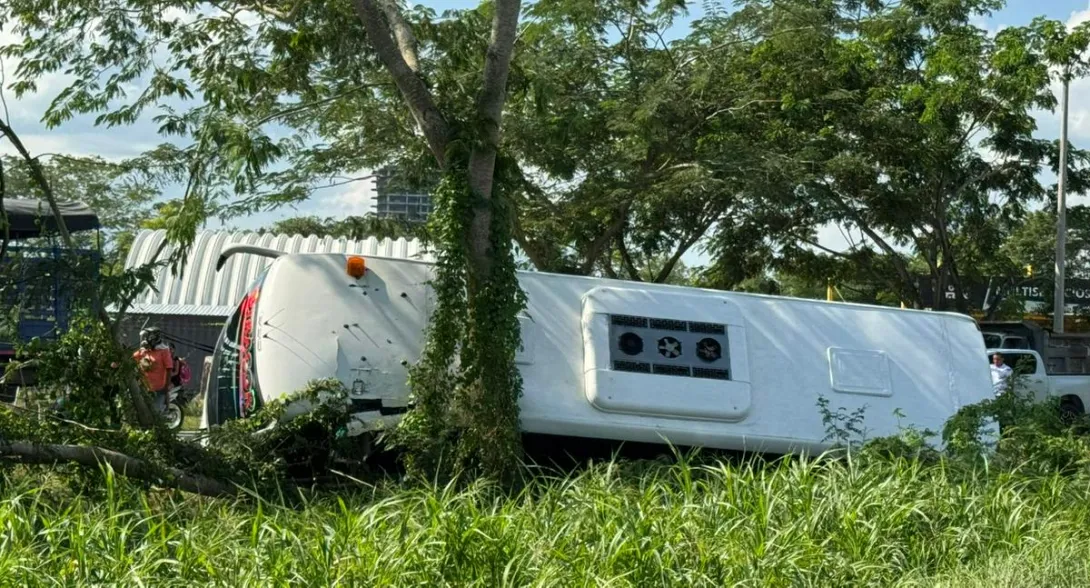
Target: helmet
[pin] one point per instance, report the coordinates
(150, 337)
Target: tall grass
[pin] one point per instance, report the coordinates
(791, 523)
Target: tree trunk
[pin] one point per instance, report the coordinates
(626, 260)
(128, 466)
(490, 429)
(3, 216)
(950, 264)
(399, 59)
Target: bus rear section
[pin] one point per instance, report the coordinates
(308, 318)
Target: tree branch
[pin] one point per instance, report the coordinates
(3, 214)
(403, 34)
(607, 265)
(497, 65)
(287, 17)
(848, 257)
(297, 108)
(532, 250)
(895, 258)
(128, 466)
(594, 251)
(668, 268)
(416, 94)
(626, 260)
(719, 47)
(144, 416)
(815, 244)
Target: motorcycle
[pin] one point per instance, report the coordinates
(174, 409)
(178, 396)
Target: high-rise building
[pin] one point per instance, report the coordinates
(394, 200)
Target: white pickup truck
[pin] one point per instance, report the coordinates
(1073, 390)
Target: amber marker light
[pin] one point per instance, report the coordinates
(356, 267)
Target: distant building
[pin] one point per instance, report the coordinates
(394, 200)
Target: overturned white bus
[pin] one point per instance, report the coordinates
(606, 359)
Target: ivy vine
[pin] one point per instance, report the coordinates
(466, 386)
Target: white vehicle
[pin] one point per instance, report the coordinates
(1073, 390)
(604, 358)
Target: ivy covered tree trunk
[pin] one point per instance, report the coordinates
(475, 324)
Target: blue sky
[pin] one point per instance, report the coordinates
(80, 137)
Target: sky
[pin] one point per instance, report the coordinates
(81, 137)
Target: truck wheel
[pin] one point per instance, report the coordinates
(1070, 409)
(8, 393)
(353, 454)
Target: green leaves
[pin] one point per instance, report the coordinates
(903, 162)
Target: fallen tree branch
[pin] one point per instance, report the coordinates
(60, 419)
(126, 465)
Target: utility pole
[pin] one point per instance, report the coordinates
(1061, 216)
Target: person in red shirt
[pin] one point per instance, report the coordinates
(156, 362)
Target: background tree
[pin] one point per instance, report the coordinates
(910, 127)
(122, 193)
(631, 147)
(349, 227)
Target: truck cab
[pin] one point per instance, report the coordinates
(1073, 390)
(994, 340)
(1063, 353)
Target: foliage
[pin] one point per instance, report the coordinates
(466, 385)
(77, 402)
(82, 370)
(276, 105)
(693, 523)
(262, 110)
(1035, 436)
(1028, 253)
(911, 128)
(349, 227)
(632, 148)
(840, 425)
(291, 439)
(120, 193)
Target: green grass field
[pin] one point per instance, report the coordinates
(792, 523)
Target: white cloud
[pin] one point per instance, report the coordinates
(109, 146)
(1079, 16)
(355, 199)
